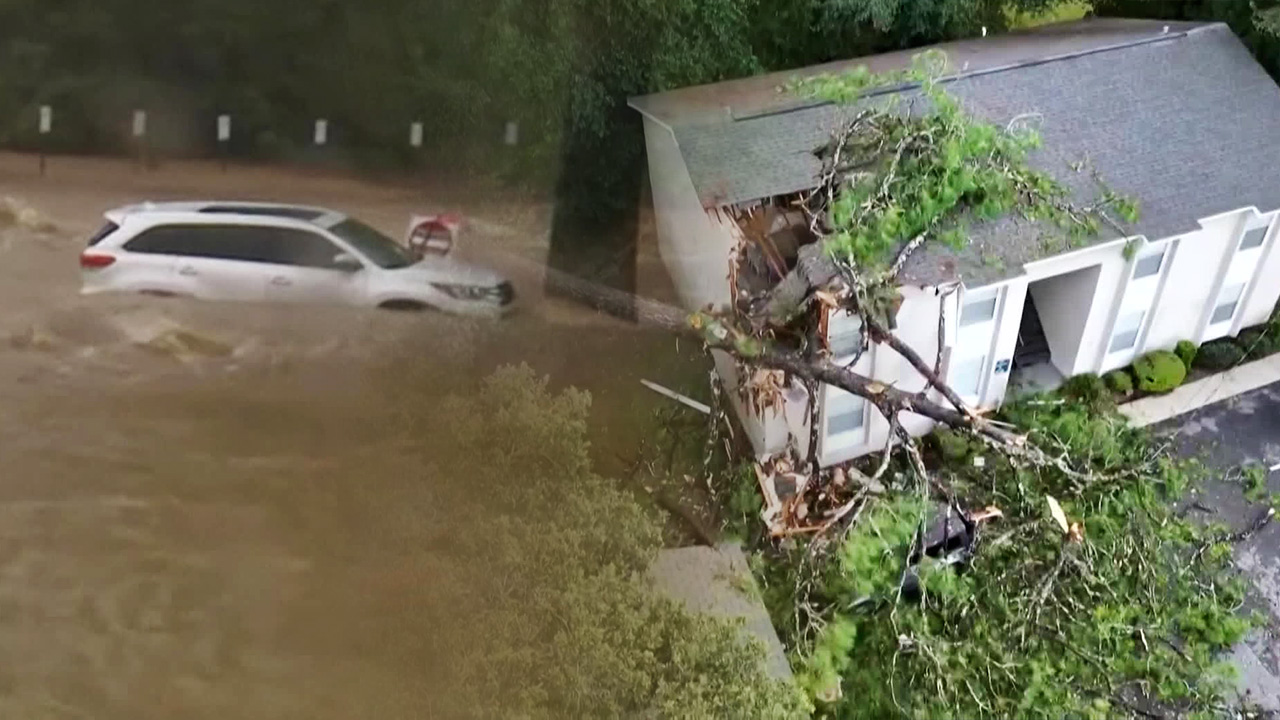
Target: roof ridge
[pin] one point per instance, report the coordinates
(1008, 67)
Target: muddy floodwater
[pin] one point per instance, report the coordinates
(235, 523)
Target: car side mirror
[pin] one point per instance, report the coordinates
(347, 262)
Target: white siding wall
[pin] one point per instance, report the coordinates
(918, 327)
(1192, 281)
(695, 245)
(1266, 292)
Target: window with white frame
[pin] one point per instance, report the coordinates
(1228, 301)
(846, 412)
(1125, 333)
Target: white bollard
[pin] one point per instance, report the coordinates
(322, 132)
(415, 135)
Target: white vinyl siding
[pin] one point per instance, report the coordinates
(1241, 271)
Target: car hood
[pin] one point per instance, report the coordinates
(448, 270)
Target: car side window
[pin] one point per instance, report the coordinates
(277, 246)
(302, 248)
(169, 240)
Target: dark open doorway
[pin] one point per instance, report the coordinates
(1052, 329)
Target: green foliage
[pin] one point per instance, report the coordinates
(1119, 381)
(1159, 371)
(1258, 342)
(1037, 626)
(1089, 389)
(1186, 352)
(1062, 12)
(561, 621)
(930, 172)
(953, 445)
(1255, 481)
(1219, 355)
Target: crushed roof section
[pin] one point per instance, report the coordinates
(1185, 122)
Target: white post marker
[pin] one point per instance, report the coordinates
(513, 134)
(322, 132)
(46, 119)
(224, 128)
(415, 135)
(139, 123)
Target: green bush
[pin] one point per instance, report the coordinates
(1120, 381)
(1186, 352)
(1089, 389)
(1219, 355)
(1159, 371)
(1258, 342)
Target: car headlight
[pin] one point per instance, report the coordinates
(463, 292)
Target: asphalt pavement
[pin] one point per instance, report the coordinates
(1227, 436)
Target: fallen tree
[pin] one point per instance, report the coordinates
(1107, 605)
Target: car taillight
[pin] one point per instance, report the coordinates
(93, 261)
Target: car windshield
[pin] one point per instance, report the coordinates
(378, 248)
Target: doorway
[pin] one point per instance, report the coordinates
(1051, 330)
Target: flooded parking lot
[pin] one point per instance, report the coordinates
(230, 511)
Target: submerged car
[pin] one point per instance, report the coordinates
(278, 253)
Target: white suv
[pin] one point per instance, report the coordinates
(281, 253)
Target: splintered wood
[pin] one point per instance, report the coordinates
(797, 503)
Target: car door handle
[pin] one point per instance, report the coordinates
(188, 271)
(280, 280)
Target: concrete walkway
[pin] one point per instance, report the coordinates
(1215, 388)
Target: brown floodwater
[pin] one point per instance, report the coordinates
(249, 534)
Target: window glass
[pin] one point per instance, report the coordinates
(1125, 334)
(844, 334)
(845, 412)
(978, 311)
(378, 248)
(1253, 238)
(299, 247)
(1228, 299)
(102, 233)
(278, 246)
(966, 376)
(173, 240)
(1148, 266)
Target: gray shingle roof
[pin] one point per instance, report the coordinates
(1186, 122)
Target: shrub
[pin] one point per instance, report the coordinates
(1159, 371)
(1219, 355)
(1120, 381)
(1186, 352)
(1258, 342)
(1089, 389)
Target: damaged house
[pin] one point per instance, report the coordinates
(1177, 116)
